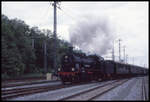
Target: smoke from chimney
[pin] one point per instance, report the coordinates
(92, 34)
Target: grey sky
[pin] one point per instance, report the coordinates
(129, 21)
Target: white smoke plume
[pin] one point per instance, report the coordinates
(92, 34)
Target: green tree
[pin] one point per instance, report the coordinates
(18, 55)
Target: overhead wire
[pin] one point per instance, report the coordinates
(44, 15)
(46, 12)
(60, 8)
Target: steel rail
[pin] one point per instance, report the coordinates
(93, 89)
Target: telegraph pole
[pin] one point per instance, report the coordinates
(119, 51)
(55, 37)
(32, 43)
(124, 54)
(45, 57)
(133, 60)
(126, 58)
(33, 39)
(113, 56)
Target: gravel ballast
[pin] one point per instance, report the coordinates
(131, 90)
(60, 93)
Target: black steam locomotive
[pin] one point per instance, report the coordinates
(79, 67)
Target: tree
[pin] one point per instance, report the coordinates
(18, 55)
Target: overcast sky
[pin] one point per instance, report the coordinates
(129, 21)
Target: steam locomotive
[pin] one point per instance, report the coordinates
(79, 67)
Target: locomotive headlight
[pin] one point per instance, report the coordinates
(59, 69)
(66, 57)
(73, 69)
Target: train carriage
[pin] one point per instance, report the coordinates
(121, 69)
(109, 69)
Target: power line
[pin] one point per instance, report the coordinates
(44, 15)
(66, 13)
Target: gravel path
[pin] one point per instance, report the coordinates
(130, 90)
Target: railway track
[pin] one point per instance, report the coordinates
(88, 94)
(22, 79)
(13, 93)
(144, 94)
(94, 92)
(16, 92)
(26, 83)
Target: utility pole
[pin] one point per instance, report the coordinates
(119, 50)
(113, 56)
(126, 58)
(45, 57)
(133, 60)
(124, 54)
(32, 38)
(32, 43)
(55, 36)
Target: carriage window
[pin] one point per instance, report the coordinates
(87, 65)
(107, 62)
